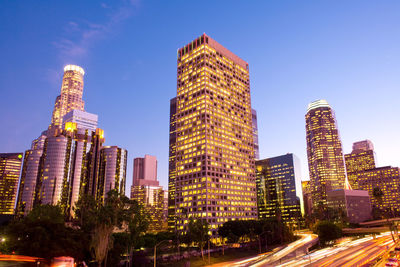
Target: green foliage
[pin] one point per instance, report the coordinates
(43, 233)
(197, 232)
(327, 231)
(240, 230)
(99, 221)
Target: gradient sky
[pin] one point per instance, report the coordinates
(346, 52)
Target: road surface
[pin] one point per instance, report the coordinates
(350, 253)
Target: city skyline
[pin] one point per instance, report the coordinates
(369, 84)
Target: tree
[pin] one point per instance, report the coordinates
(99, 221)
(327, 231)
(197, 232)
(42, 233)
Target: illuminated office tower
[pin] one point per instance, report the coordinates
(71, 94)
(31, 169)
(324, 151)
(83, 119)
(147, 191)
(152, 199)
(113, 169)
(214, 164)
(387, 181)
(362, 158)
(307, 200)
(10, 169)
(255, 133)
(67, 167)
(171, 165)
(278, 186)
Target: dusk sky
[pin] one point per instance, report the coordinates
(346, 52)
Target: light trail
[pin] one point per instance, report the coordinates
(346, 253)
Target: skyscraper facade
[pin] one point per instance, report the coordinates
(255, 134)
(214, 157)
(68, 171)
(362, 158)
(113, 169)
(307, 200)
(144, 169)
(10, 169)
(278, 186)
(32, 163)
(148, 193)
(83, 119)
(171, 166)
(324, 151)
(387, 181)
(71, 94)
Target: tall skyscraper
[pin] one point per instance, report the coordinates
(113, 165)
(172, 166)
(362, 158)
(144, 169)
(278, 188)
(70, 167)
(324, 151)
(387, 181)
(67, 160)
(147, 191)
(31, 170)
(255, 134)
(214, 157)
(10, 169)
(71, 95)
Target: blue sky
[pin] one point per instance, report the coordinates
(346, 52)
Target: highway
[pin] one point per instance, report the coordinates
(270, 257)
(348, 253)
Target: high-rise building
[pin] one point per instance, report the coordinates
(307, 200)
(71, 95)
(83, 119)
(67, 160)
(144, 169)
(324, 151)
(70, 167)
(255, 134)
(10, 169)
(387, 181)
(171, 166)
(214, 156)
(32, 166)
(278, 188)
(147, 191)
(362, 158)
(113, 165)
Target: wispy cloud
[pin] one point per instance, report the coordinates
(78, 38)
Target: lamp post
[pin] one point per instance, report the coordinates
(266, 240)
(155, 250)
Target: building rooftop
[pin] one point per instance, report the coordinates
(74, 68)
(318, 104)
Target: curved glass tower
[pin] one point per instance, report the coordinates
(324, 151)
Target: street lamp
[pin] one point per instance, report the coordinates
(155, 249)
(266, 240)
